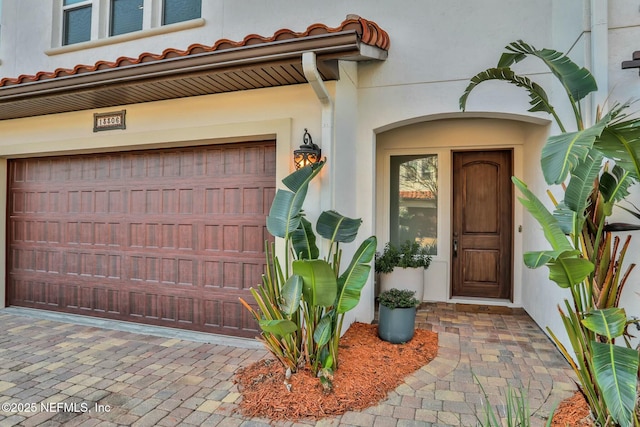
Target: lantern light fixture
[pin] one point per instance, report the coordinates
(308, 153)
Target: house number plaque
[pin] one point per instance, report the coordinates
(109, 121)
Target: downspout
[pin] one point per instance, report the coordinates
(600, 52)
(310, 69)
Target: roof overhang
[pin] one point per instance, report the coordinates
(256, 62)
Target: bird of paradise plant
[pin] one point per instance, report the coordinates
(302, 301)
(584, 257)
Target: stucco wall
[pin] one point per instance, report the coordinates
(431, 41)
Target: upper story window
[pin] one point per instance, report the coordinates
(126, 16)
(180, 10)
(90, 20)
(76, 16)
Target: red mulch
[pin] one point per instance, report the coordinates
(573, 411)
(369, 369)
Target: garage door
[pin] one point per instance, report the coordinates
(166, 237)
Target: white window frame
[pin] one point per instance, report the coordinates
(60, 19)
(146, 23)
(100, 25)
(157, 19)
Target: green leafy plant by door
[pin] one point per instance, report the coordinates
(303, 298)
(585, 257)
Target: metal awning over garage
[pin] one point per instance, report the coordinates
(255, 62)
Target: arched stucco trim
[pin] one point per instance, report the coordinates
(441, 134)
(463, 115)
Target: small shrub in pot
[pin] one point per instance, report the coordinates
(397, 315)
(398, 298)
(408, 255)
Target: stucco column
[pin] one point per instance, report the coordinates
(600, 52)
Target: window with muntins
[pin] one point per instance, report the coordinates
(126, 16)
(76, 16)
(414, 200)
(180, 10)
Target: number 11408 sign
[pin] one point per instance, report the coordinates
(109, 121)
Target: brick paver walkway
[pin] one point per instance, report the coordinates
(55, 373)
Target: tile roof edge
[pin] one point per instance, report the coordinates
(368, 32)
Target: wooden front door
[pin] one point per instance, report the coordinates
(481, 240)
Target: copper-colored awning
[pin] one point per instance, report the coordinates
(255, 62)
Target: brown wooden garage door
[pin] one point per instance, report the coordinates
(166, 237)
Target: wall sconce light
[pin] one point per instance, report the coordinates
(308, 153)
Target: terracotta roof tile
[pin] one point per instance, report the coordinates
(417, 195)
(368, 31)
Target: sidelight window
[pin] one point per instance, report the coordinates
(414, 200)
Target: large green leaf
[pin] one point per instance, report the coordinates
(304, 241)
(540, 258)
(284, 216)
(609, 322)
(319, 281)
(539, 99)
(576, 197)
(567, 218)
(322, 333)
(569, 270)
(301, 177)
(620, 141)
(563, 152)
(614, 184)
(571, 211)
(552, 230)
(577, 81)
(290, 295)
(616, 370)
(336, 227)
(351, 282)
(279, 327)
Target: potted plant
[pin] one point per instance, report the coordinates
(397, 315)
(403, 267)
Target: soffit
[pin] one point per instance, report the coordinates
(227, 66)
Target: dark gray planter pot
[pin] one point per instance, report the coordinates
(396, 325)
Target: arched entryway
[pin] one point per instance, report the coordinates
(446, 181)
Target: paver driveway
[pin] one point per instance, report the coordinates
(61, 373)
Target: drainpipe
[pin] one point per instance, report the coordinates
(310, 69)
(600, 52)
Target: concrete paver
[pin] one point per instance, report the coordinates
(60, 373)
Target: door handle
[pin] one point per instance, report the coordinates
(455, 247)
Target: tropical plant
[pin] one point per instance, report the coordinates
(398, 298)
(302, 300)
(410, 254)
(583, 256)
(516, 409)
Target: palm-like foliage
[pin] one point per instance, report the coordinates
(583, 256)
(302, 303)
